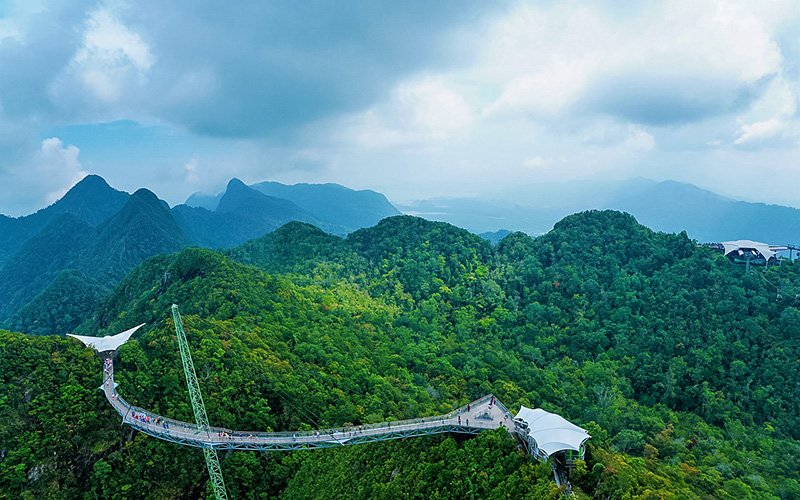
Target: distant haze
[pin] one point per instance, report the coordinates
(417, 100)
(663, 206)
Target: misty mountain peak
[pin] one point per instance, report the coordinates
(149, 197)
(91, 200)
(91, 189)
(91, 181)
(235, 183)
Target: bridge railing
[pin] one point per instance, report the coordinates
(342, 432)
(354, 430)
(127, 411)
(503, 408)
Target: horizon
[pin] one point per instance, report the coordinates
(415, 101)
(400, 206)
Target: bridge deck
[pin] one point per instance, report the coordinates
(482, 414)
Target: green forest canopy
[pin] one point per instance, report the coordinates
(683, 367)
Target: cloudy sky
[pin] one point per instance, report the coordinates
(414, 99)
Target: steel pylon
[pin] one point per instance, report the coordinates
(200, 416)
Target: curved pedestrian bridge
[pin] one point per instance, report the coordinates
(543, 434)
(482, 414)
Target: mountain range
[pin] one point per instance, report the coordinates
(663, 206)
(94, 235)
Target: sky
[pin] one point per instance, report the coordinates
(415, 99)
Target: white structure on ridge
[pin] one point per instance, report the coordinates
(740, 248)
(110, 343)
(546, 433)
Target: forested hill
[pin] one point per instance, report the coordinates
(92, 200)
(84, 243)
(71, 257)
(682, 367)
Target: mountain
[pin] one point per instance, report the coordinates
(668, 354)
(663, 206)
(208, 229)
(91, 200)
(262, 213)
(334, 204)
(97, 256)
(296, 247)
(483, 216)
(60, 245)
(494, 237)
(207, 201)
(334, 208)
(242, 214)
(11, 237)
(143, 228)
(67, 302)
(98, 234)
(706, 216)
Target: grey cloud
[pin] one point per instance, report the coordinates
(29, 65)
(271, 66)
(277, 65)
(669, 99)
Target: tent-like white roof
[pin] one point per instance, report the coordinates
(762, 248)
(110, 343)
(552, 432)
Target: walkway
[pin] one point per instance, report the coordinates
(482, 414)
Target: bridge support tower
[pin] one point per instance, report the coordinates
(200, 416)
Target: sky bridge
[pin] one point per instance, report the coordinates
(473, 418)
(479, 415)
(544, 435)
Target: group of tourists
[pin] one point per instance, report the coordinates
(356, 431)
(144, 418)
(107, 370)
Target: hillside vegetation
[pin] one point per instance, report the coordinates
(92, 237)
(682, 367)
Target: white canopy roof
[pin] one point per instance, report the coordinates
(762, 248)
(552, 432)
(110, 343)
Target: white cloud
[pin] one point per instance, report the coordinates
(111, 63)
(192, 171)
(44, 177)
(8, 29)
(639, 139)
(547, 60)
(111, 56)
(771, 117)
(17, 16)
(192, 88)
(420, 112)
(535, 162)
(57, 167)
(542, 93)
(760, 130)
